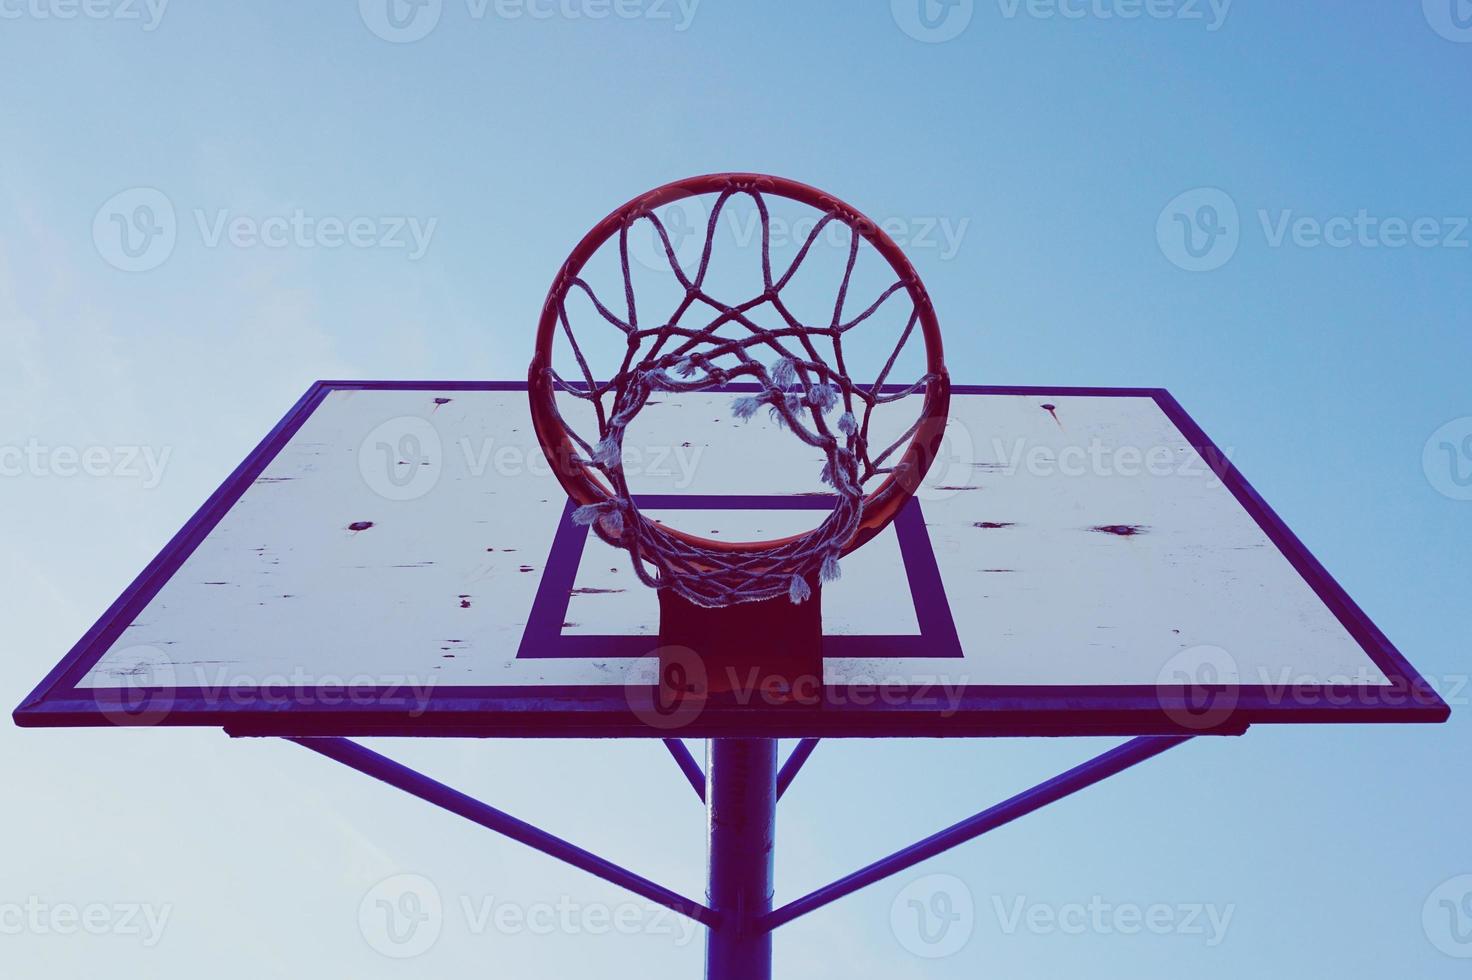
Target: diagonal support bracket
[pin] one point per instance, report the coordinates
(1080, 777)
(794, 764)
(696, 776)
(380, 767)
(687, 765)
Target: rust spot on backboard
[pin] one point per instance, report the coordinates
(993, 525)
(953, 488)
(590, 591)
(360, 525)
(440, 401)
(1052, 410)
(1119, 530)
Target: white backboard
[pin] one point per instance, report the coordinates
(398, 557)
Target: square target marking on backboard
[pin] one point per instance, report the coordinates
(916, 622)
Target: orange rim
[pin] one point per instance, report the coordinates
(880, 506)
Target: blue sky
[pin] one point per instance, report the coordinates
(1318, 324)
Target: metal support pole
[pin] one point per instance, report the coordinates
(741, 807)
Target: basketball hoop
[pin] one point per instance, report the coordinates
(779, 369)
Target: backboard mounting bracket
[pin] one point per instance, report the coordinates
(740, 790)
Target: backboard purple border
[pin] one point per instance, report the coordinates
(610, 712)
